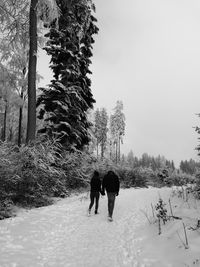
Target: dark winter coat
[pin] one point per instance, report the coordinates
(110, 183)
(95, 184)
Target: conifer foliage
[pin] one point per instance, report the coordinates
(64, 104)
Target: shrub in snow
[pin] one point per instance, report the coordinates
(136, 177)
(127, 176)
(77, 167)
(161, 211)
(197, 186)
(32, 175)
(141, 176)
(38, 176)
(179, 179)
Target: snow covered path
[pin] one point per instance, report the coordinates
(62, 234)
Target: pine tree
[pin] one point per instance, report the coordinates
(130, 159)
(101, 129)
(117, 126)
(64, 104)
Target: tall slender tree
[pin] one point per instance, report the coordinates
(117, 126)
(6, 88)
(47, 10)
(31, 122)
(97, 126)
(101, 129)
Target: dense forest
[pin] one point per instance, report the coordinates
(52, 139)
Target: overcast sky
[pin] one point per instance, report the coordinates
(147, 54)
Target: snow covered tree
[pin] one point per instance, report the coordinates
(64, 104)
(117, 127)
(17, 66)
(145, 160)
(5, 92)
(14, 45)
(19, 19)
(12, 86)
(101, 129)
(130, 159)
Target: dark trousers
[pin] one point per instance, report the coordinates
(94, 196)
(111, 202)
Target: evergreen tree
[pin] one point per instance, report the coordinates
(101, 129)
(117, 126)
(145, 160)
(64, 104)
(130, 159)
(172, 165)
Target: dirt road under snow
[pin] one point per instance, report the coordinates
(62, 234)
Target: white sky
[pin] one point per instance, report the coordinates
(147, 54)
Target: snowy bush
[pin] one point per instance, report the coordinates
(32, 175)
(77, 167)
(8, 179)
(161, 211)
(126, 176)
(136, 177)
(8, 169)
(179, 179)
(141, 177)
(27, 174)
(197, 186)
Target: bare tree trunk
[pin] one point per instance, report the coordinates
(116, 152)
(97, 150)
(10, 134)
(20, 121)
(5, 122)
(102, 150)
(119, 149)
(31, 122)
(110, 150)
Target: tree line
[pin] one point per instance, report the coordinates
(147, 161)
(189, 166)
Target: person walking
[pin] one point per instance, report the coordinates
(111, 185)
(95, 189)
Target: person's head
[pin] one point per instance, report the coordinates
(111, 172)
(96, 174)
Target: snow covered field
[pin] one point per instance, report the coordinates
(62, 234)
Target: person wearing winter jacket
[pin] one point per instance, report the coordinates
(111, 185)
(95, 189)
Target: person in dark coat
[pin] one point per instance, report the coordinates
(95, 189)
(111, 185)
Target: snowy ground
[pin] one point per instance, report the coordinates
(62, 234)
